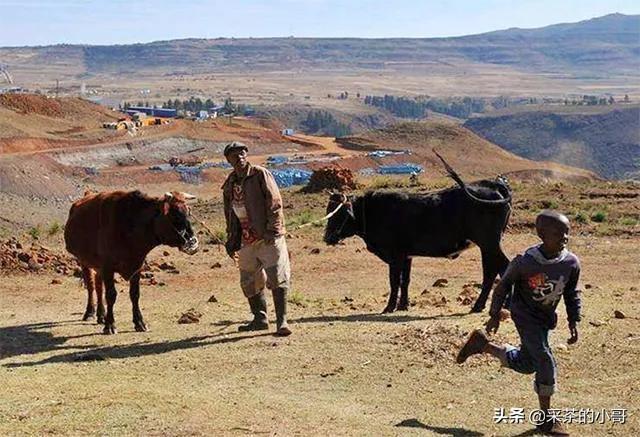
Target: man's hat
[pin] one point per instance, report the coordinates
(234, 146)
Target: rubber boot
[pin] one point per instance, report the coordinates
(258, 305)
(280, 302)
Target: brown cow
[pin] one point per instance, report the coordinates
(113, 232)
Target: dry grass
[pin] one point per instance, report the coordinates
(346, 370)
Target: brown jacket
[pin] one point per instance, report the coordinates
(262, 201)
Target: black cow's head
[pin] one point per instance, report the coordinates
(342, 224)
(172, 225)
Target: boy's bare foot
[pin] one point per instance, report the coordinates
(553, 427)
(474, 345)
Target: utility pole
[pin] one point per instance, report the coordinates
(57, 87)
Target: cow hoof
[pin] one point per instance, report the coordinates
(141, 327)
(88, 315)
(100, 320)
(388, 309)
(109, 329)
(477, 308)
(403, 307)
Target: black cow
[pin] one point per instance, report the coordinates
(398, 226)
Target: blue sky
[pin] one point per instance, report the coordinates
(41, 22)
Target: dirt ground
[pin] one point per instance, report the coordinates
(346, 370)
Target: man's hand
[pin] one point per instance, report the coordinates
(573, 330)
(269, 238)
(493, 324)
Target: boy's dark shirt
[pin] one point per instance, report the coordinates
(538, 285)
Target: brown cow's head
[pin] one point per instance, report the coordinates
(172, 226)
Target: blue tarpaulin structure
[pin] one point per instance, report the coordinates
(221, 164)
(383, 153)
(400, 169)
(190, 175)
(276, 160)
(161, 167)
(287, 177)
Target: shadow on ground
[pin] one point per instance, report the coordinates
(450, 431)
(35, 338)
(90, 353)
(375, 317)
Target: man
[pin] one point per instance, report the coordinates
(255, 232)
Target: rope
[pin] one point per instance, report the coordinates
(216, 239)
(326, 217)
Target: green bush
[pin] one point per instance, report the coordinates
(580, 218)
(219, 236)
(599, 217)
(296, 298)
(629, 221)
(303, 217)
(388, 182)
(34, 232)
(54, 229)
(550, 204)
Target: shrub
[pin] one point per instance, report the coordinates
(580, 218)
(296, 298)
(599, 217)
(629, 221)
(54, 229)
(34, 232)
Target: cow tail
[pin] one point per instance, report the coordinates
(452, 173)
(458, 179)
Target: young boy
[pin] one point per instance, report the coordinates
(541, 276)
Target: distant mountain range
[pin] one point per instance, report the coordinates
(608, 45)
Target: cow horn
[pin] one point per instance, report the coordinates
(188, 196)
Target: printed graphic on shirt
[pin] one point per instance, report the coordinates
(240, 210)
(546, 291)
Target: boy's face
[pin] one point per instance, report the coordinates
(554, 234)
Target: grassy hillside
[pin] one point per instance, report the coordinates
(607, 143)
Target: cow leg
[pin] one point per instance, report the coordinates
(503, 263)
(87, 277)
(134, 294)
(112, 294)
(100, 294)
(490, 266)
(405, 279)
(395, 270)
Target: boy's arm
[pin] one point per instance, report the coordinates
(504, 286)
(571, 295)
